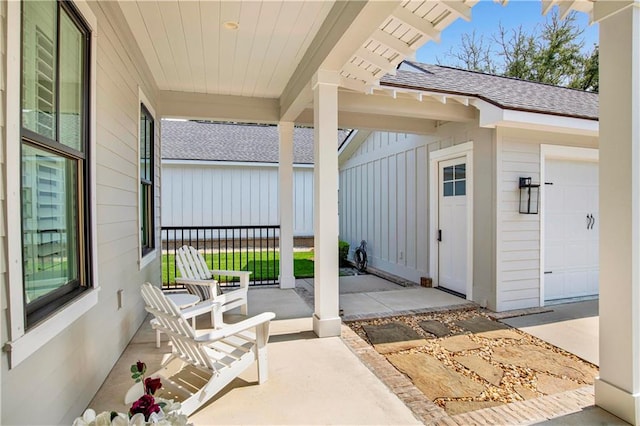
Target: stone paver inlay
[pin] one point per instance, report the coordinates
(489, 364)
(544, 360)
(482, 368)
(459, 344)
(434, 379)
(392, 332)
(436, 328)
(480, 324)
(549, 385)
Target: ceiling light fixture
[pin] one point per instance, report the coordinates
(231, 25)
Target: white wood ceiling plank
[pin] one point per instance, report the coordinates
(229, 11)
(153, 21)
(253, 22)
(175, 31)
(282, 48)
(317, 20)
(311, 17)
(139, 30)
(210, 27)
(190, 14)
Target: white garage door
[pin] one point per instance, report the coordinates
(571, 229)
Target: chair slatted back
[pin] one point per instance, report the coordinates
(180, 332)
(191, 264)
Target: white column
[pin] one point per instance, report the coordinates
(617, 389)
(285, 192)
(326, 321)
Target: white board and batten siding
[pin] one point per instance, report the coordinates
(384, 198)
(518, 235)
(199, 193)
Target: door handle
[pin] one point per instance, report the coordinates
(591, 220)
(439, 234)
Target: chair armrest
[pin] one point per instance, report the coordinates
(209, 283)
(230, 330)
(243, 275)
(198, 309)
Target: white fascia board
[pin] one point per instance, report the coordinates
(229, 163)
(492, 116)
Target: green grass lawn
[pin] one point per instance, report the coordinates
(264, 266)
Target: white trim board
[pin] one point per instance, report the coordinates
(456, 151)
(556, 152)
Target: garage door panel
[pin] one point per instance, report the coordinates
(571, 238)
(554, 285)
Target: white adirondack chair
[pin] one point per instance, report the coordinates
(202, 365)
(198, 279)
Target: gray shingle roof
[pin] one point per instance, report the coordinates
(196, 140)
(507, 93)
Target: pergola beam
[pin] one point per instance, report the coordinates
(458, 8)
(392, 43)
(379, 61)
(422, 25)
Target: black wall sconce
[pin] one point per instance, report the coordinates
(529, 196)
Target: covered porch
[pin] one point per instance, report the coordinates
(301, 63)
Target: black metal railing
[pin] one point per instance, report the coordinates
(241, 248)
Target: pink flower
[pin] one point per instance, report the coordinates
(151, 385)
(146, 405)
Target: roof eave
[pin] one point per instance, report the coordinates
(492, 116)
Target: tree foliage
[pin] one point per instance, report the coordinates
(551, 53)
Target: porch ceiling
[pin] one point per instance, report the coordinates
(188, 48)
(275, 51)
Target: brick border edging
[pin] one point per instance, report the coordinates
(520, 412)
(421, 407)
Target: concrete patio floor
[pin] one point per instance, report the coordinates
(320, 381)
(570, 326)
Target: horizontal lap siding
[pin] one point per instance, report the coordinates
(519, 235)
(66, 372)
(217, 195)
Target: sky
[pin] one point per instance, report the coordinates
(485, 18)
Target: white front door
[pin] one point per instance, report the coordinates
(452, 225)
(571, 229)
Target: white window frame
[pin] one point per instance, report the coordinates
(24, 342)
(153, 254)
(464, 150)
